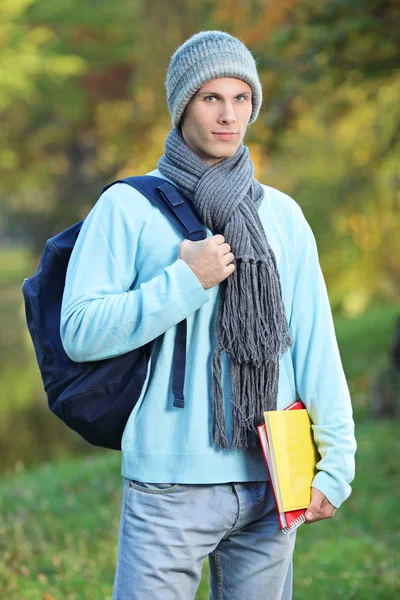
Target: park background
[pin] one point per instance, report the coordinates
(82, 101)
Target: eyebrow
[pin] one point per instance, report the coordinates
(211, 93)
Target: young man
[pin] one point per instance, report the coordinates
(259, 332)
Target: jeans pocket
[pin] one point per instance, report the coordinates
(153, 488)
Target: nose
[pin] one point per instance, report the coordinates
(227, 114)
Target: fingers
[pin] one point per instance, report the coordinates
(327, 511)
(312, 512)
(231, 267)
(314, 507)
(219, 238)
(319, 508)
(225, 250)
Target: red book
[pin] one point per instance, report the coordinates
(288, 521)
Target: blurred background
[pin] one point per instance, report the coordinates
(82, 102)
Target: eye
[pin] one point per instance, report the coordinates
(244, 98)
(208, 97)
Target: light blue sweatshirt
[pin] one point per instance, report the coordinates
(126, 286)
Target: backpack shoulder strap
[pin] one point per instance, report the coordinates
(171, 201)
(181, 212)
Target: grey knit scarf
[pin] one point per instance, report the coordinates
(251, 325)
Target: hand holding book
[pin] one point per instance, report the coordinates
(291, 456)
(319, 507)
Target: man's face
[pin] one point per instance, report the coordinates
(221, 106)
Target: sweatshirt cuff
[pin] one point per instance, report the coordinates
(335, 492)
(192, 294)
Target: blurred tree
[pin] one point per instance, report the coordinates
(331, 122)
(82, 99)
(306, 47)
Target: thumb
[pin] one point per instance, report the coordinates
(315, 504)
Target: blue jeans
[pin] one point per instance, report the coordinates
(167, 530)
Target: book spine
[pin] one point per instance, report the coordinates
(263, 440)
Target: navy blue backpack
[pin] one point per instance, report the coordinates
(96, 398)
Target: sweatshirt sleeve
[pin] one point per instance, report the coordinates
(101, 316)
(319, 375)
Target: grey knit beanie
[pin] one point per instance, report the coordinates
(206, 56)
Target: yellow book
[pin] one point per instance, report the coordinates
(293, 457)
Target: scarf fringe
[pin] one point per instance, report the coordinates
(251, 327)
(259, 385)
(219, 427)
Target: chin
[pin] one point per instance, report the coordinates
(228, 154)
(213, 153)
(224, 152)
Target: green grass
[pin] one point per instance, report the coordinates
(365, 339)
(59, 530)
(364, 344)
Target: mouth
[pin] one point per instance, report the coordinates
(225, 135)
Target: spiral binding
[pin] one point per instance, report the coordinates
(296, 523)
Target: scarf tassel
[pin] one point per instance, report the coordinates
(257, 386)
(219, 427)
(253, 327)
(253, 333)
